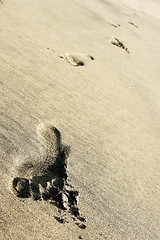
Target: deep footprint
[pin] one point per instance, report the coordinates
(49, 176)
(119, 44)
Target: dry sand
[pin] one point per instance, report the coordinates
(108, 111)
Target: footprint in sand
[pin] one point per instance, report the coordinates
(133, 24)
(74, 59)
(114, 25)
(77, 59)
(119, 44)
(47, 178)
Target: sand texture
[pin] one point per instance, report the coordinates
(80, 119)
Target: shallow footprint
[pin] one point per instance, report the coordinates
(77, 59)
(114, 25)
(133, 24)
(119, 44)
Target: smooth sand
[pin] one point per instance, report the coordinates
(108, 111)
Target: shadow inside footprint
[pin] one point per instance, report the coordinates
(21, 187)
(59, 219)
(49, 180)
(80, 63)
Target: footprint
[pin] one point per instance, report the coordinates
(49, 177)
(74, 59)
(133, 24)
(77, 59)
(119, 44)
(114, 25)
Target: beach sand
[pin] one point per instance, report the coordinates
(91, 69)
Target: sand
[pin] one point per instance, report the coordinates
(106, 108)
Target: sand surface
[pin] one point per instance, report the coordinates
(107, 109)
